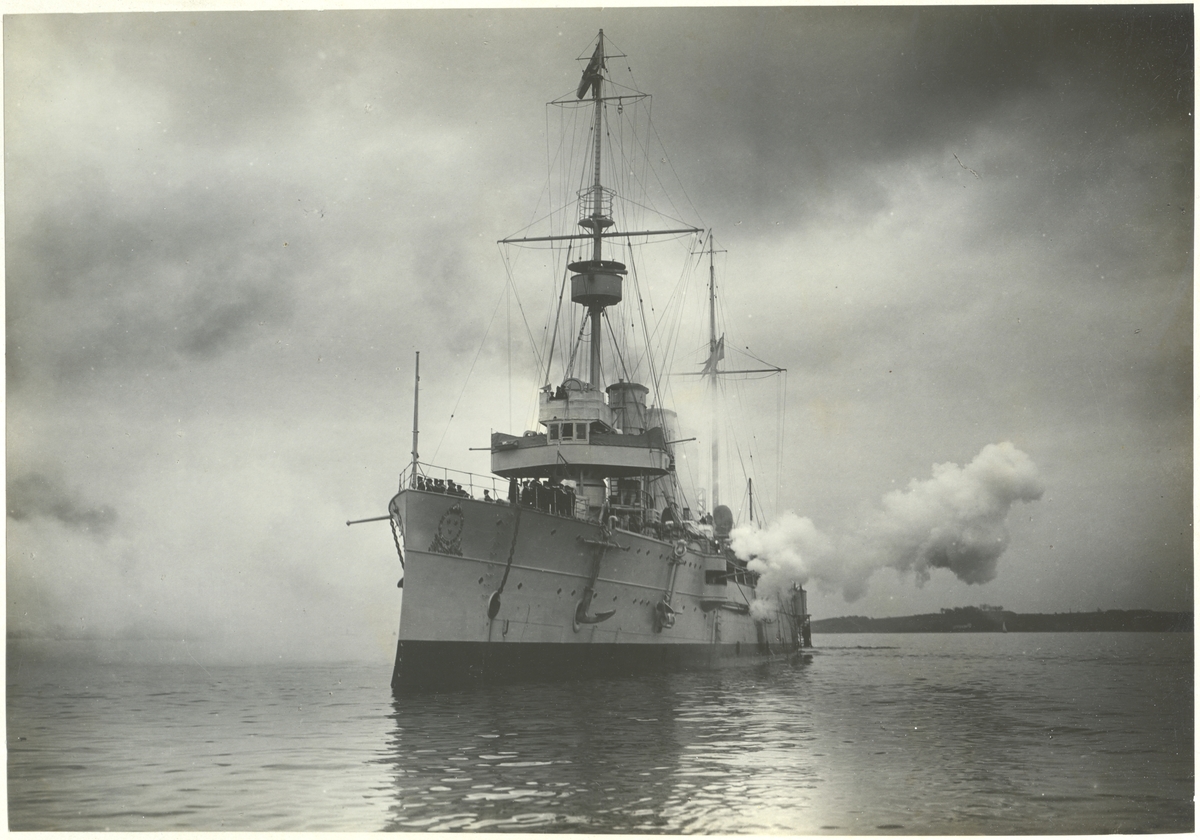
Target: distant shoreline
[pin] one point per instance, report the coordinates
(977, 620)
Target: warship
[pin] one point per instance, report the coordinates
(583, 554)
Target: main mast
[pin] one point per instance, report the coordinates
(713, 359)
(600, 438)
(598, 284)
(716, 352)
(598, 217)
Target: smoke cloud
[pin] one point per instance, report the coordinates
(790, 550)
(35, 494)
(954, 520)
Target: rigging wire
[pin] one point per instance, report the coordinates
(467, 380)
(508, 348)
(781, 437)
(521, 308)
(748, 448)
(666, 158)
(655, 376)
(627, 156)
(575, 348)
(561, 292)
(620, 357)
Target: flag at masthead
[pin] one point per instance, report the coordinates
(591, 74)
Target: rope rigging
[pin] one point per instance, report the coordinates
(639, 352)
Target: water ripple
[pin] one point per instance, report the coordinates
(963, 734)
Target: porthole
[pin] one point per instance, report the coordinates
(481, 580)
(519, 585)
(559, 591)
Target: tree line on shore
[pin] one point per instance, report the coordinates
(997, 620)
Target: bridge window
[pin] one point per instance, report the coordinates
(568, 431)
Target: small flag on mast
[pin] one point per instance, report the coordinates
(718, 353)
(591, 74)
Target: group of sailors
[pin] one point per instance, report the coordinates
(437, 485)
(664, 525)
(551, 497)
(559, 499)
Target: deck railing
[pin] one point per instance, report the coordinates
(468, 485)
(454, 482)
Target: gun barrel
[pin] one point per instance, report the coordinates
(372, 519)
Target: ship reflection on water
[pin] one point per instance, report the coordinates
(939, 733)
(1078, 733)
(670, 752)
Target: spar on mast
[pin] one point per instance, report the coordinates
(599, 219)
(716, 352)
(713, 372)
(596, 283)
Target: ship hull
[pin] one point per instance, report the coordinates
(432, 666)
(499, 593)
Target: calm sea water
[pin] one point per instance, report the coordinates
(881, 734)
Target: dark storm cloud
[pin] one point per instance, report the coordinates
(36, 494)
(122, 283)
(186, 236)
(961, 64)
(800, 123)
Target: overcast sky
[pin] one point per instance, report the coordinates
(227, 233)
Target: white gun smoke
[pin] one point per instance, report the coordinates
(954, 520)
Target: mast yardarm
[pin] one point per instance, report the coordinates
(596, 283)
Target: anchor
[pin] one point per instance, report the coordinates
(664, 616)
(581, 612)
(585, 603)
(664, 613)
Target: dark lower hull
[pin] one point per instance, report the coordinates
(433, 666)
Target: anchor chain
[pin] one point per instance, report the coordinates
(397, 535)
(493, 607)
